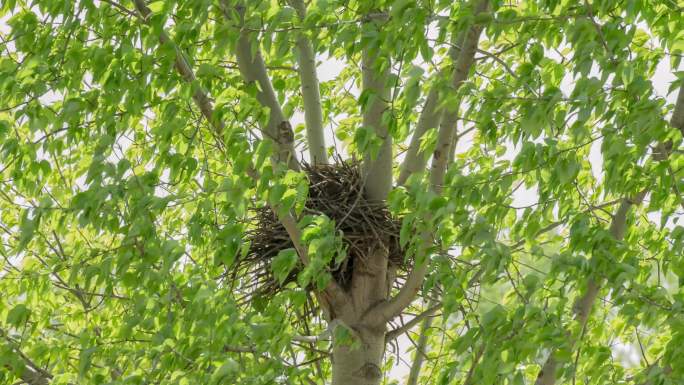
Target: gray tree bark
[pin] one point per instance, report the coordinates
(313, 113)
(362, 364)
(421, 352)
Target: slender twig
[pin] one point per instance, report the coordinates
(392, 334)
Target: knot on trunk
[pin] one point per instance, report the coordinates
(285, 132)
(370, 371)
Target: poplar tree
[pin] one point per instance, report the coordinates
(316, 191)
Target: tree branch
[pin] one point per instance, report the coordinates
(416, 160)
(378, 169)
(253, 69)
(469, 377)
(582, 308)
(447, 129)
(431, 118)
(323, 336)
(392, 334)
(663, 150)
(677, 119)
(183, 67)
(390, 309)
(33, 377)
(666, 370)
(332, 294)
(421, 353)
(313, 113)
(31, 373)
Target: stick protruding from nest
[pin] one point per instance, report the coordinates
(336, 191)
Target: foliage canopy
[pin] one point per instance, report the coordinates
(138, 139)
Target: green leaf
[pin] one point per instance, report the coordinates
(428, 141)
(567, 170)
(496, 316)
(18, 315)
(27, 229)
(283, 263)
(156, 6)
(225, 373)
(4, 128)
(536, 53)
(207, 70)
(85, 361)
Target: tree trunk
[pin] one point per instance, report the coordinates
(359, 364)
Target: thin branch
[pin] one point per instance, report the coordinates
(415, 160)
(313, 112)
(584, 304)
(31, 373)
(183, 67)
(253, 70)
(121, 8)
(375, 71)
(333, 294)
(641, 347)
(476, 360)
(392, 334)
(390, 309)
(421, 353)
(327, 334)
(677, 120)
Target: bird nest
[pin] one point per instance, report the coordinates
(335, 191)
